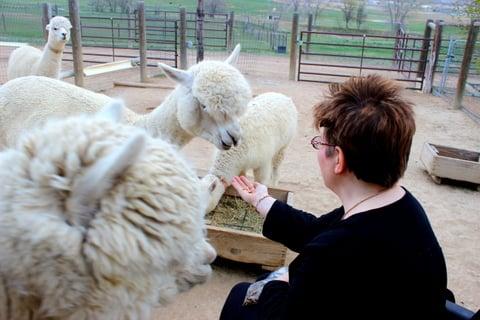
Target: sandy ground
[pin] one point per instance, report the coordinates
(453, 211)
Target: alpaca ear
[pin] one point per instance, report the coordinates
(183, 77)
(47, 27)
(112, 111)
(233, 58)
(100, 177)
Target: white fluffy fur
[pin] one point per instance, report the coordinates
(28, 60)
(208, 102)
(268, 126)
(97, 221)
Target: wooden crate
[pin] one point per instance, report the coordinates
(246, 246)
(451, 163)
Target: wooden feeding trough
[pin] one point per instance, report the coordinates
(238, 235)
(451, 163)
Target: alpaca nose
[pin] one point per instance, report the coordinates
(64, 35)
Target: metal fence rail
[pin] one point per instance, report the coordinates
(120, 35)
(400, 56)
(215, 26)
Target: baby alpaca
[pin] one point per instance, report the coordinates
(268, 126)
(28, 60)
(97, 221)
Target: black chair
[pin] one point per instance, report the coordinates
(457, 312)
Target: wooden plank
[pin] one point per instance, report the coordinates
(12, 44)
(141, 85)
(107, 67)
(247, 247)
(455, 167)
(426, 157)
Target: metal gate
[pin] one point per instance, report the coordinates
(108, 39)
(328, 56)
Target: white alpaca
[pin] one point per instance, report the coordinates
(268, 126)
(207, 102)
(28, 60)
(97, 221)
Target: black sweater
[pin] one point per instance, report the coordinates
(384, 263)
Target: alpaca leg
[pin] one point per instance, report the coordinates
(263, 174)
(276, 161)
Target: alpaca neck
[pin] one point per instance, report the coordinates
(163, 122)
(225, 165)
(51, 61)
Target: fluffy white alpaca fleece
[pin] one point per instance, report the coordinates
(208, 102)
(268, 126)
(97, 221)
(28, 60)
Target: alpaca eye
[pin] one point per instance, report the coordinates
(55, 29)
(203, 106)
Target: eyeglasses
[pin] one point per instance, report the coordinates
(317, 142)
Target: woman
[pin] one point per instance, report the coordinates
(376, 256)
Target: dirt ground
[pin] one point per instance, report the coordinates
(453, 210)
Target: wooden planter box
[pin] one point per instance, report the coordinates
(451, 163)
(246, 246)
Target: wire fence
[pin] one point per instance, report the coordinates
(448, 68)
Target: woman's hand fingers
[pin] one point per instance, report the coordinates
(247, 183)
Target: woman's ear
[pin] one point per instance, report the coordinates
(340, 165)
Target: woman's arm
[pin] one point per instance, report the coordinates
(295, 228)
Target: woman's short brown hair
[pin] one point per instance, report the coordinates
(371, 122)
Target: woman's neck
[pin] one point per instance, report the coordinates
(359, 196)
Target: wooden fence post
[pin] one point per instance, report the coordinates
(230, 31)
(142, 30)
(129, 26)
(46, 16)
(427, 33)
(467, 59)
(76, 37)
(183, 39)
(432, 63)
(199, 30)
(309, 28)
(293, 47)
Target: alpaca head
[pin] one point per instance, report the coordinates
(58, 31)
(91, 207)
(212, 96)
(214, 188)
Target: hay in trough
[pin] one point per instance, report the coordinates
(233, 212)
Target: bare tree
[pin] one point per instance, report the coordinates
(126, 6)
(361, 13)
(466, 8)
(399, 9)
(98, 5)
(315, 7)
(295, 4)
(348, 9)
(215, 6)
(112, 4)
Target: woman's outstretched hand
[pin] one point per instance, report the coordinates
(253, 193)
(250, 191)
